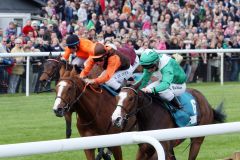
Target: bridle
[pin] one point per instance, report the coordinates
(69, 105)
(133, 112)
(53, 74)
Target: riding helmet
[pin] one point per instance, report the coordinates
(149, 58)
(99, 50)
(72, 40)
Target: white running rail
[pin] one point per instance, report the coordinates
(22, 149)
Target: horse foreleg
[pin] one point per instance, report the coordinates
(144, 152)
(68, 119)
(117, 152)
(90, 154)
(195, 147)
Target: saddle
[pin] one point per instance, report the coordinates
(187, 115)
(109, 89)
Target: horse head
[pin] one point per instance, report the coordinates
(127, 102)
(51, 69)
(68, 91)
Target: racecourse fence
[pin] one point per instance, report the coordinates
(205, 51)
(151, 137)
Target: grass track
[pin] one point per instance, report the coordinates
(28, 119)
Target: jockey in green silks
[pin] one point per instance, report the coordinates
(170, 76)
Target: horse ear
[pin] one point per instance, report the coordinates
(50, 55)
(137, 85)
(74, 71)
(62, 70)
(59, 57)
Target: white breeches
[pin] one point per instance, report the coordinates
(135, 64)
(171, 92)
(78, 61)
(117, 79)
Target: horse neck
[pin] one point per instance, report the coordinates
(151, 115)
(92, 103)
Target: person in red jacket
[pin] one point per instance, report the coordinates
(116, 66)
(81, 47)
(30, 27)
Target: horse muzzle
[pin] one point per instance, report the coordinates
(118, 122)
(60, 112)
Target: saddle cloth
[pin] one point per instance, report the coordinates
(187, 116)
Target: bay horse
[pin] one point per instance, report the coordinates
(51, 71)
(93, 106)
(151, 114)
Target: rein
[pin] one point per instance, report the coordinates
(70, 104)
(134, 112)
(52, 74)
(90, 122)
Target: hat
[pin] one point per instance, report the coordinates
(34, 23)
(99, 50)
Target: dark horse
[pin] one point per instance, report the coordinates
(93, 105)
(151, 114)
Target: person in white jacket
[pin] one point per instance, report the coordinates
(82, 14)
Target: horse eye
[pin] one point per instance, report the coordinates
(130, 98)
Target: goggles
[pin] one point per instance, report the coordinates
(98, 59)
(72, 47)
(148, 66)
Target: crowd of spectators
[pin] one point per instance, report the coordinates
(159, 24)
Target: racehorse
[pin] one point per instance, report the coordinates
(51, 68)
(51, 71)
(93, 106)
(151, 114)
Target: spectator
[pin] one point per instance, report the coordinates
(109, 33)
(1, 34)
(68, 11)
(18, 68)
(82, 14)
(63, 28)
(55, 46)
(11, 30)
(5, 66)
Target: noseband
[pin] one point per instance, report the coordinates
(68, 105)
(134, 112)
(54, 72)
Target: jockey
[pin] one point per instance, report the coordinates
(116, 66)
(81, 46)
(129, 53)
(170, 76)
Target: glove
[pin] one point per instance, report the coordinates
(146, 90)
(89, 81)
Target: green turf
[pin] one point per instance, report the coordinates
(28, 119)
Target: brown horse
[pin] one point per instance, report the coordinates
(93, 105)
(51, 71)
(151, 114)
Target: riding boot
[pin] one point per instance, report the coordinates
(175, 102)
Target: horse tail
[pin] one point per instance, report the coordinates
(219, 114)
